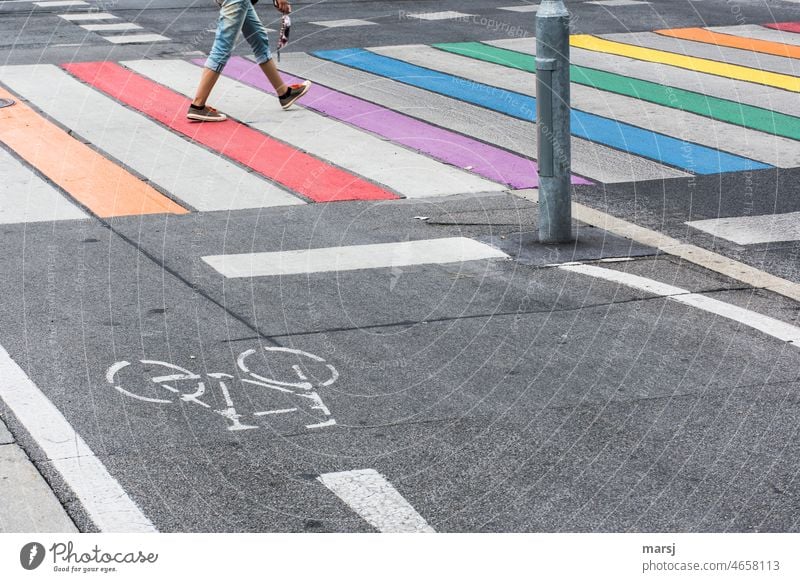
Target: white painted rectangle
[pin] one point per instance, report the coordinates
(136, 38)
(119, 26)
(352, 258)
(446, 15)
(88, 16)
(370, 495)
(344, 23)
(61, 3)
(751, 230)
(617, 2)
(526, 8)
(105, 501)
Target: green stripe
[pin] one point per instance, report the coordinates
(725, 110)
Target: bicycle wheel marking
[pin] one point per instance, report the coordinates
(187, 387)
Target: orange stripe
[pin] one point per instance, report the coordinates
(749, 44)
(99, 184)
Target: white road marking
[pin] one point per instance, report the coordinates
(526, 8)
(88, 16)
(688, 252)
(25, 197)
(407, 172)
(135, 38)
(190, 172)
(111, 27)
(351, 258)
(269, 412)
(617, 2)
(767, 325)
(370, 495)
(344, 23)
(103, 498)
(58, 3)
(447, 15)
(751, 230)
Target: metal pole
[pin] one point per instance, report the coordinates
(553, 122)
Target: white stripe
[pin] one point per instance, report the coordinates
(411, 174)
(751, 230)
(447, 15)
(370, 495)
(107, 504)
(617, 2)
(343, 23)
(767, 325)
(191, 173)
(24, 197)
(351, 258)
(756, 145)
(135, 38)
(88, 16)
(526, 8)
(111, 27)
(56, 3)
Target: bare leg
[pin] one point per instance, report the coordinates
(274, 76)
(207, 82)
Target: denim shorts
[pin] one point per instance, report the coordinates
(236, 15)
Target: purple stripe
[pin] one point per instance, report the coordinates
(452, 148)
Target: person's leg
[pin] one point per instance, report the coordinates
(256, 35)
(231, 18)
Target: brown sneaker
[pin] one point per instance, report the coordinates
(294, 93)
(205, 113)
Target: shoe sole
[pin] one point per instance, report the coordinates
(201, 118)
(290, 103)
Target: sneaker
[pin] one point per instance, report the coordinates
(295, 92)
(205, 114)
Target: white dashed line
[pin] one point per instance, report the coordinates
(61, 3)
(449, 15)
(370, 495)
(88, 16)
(120, 26)
(343, 23)
(526, 8)
(751, 230)
(136, 38)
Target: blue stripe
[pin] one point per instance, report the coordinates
(685, 155)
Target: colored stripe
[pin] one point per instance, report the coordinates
(748, 44)
(99, 493)
(626, 137)
(186, 170)
(369, 494)
(758, 32)
(100, 185)
(725, 110)
(364, 154)
(751, 230)
(444, 145)
(738, 72)
(296, 170)
(595, 161)
(353, 258)
(785, 26)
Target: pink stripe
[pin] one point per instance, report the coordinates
(452, 148)
(784, 26)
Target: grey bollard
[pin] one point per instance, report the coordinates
(553, 122)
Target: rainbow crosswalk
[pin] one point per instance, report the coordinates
(111, 139)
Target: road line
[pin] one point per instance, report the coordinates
(446, 15)
(103, 187)
(189, 172)
(285, 165)
(758, 32)
(767, 325)
(751, 230)
(105, 501)
(406, 172)
(595, 161)
(738, 72)
(343, 23)
(88, 16)
(470, 80)
(352, 258)
(372, 497)
(732, 41)
(449, 147)
(693, 254)
(793, 27)
(525, 8)
(136, 38)
(24, 197)
(731, 112)
(110, 27)
(768, 98)
(60, 3)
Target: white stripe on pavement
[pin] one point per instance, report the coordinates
(25, 197)
(755, 145)
(105, 501)
(88, 16)
(751, 230)
(525, 8)
(446, 15)
(191, 173)
(352, 258)
(135, 38)
(58, 3)
(411, 174)
(767, 325)
(111, 27)
(370, 495)
(343, 23)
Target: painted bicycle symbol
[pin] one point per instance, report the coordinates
(280, 376)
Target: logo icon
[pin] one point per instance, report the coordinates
(32, 555)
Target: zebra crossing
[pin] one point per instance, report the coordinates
(384, 123)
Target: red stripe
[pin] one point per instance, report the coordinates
(277, 161)
(784, 26)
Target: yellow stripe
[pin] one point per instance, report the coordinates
(737, 72)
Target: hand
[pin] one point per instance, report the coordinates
(282, 6)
